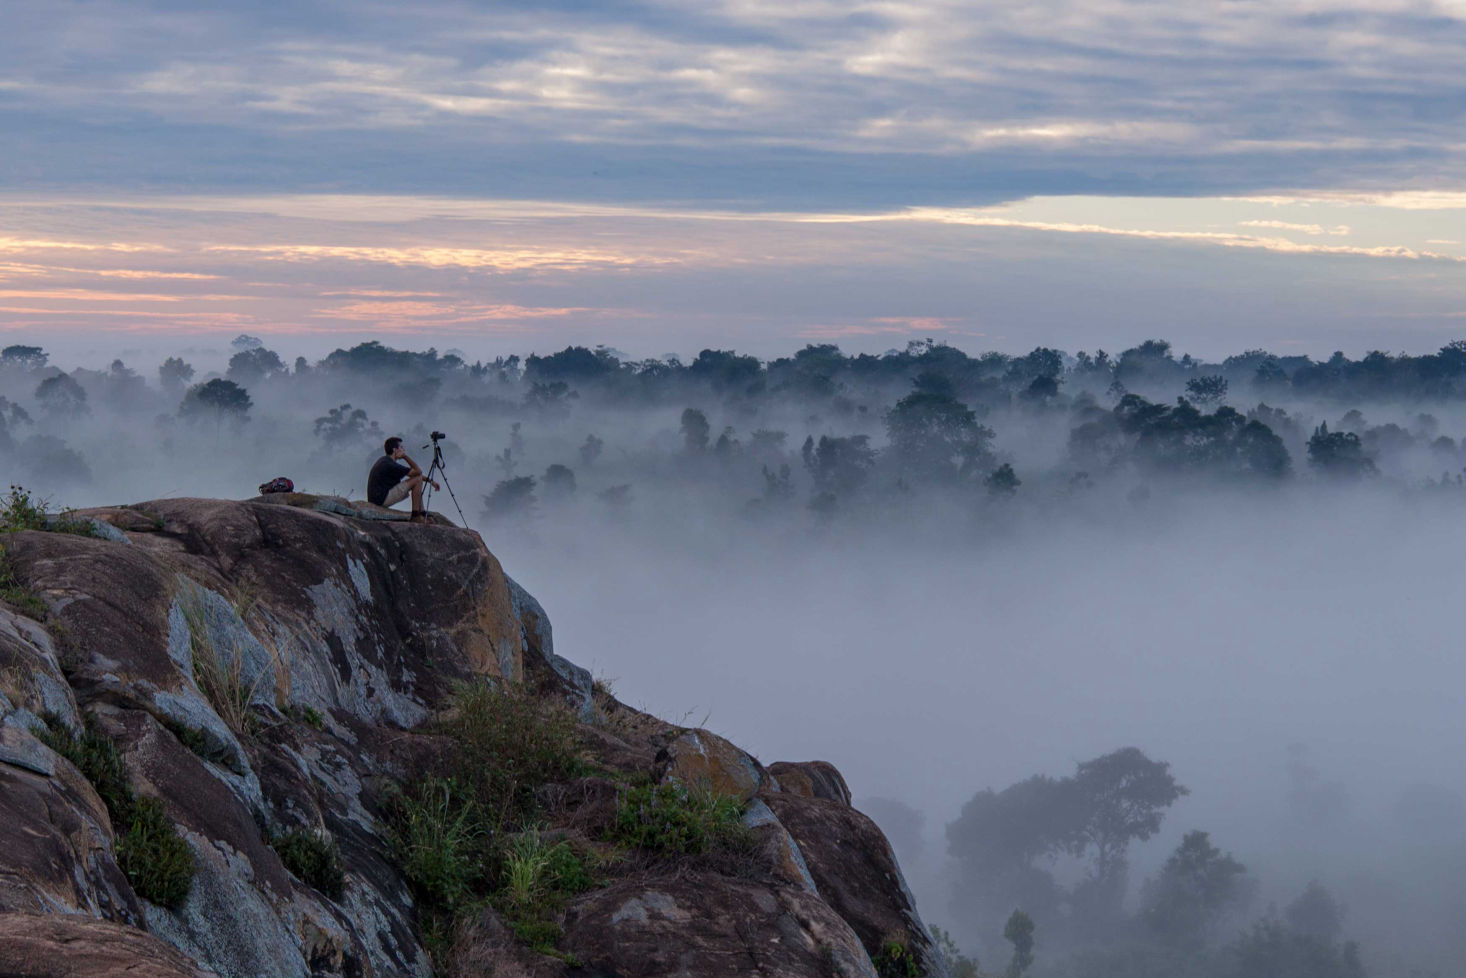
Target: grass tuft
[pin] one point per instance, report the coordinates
(150, 852)
(509, 744)
(193, 739)
(13, 592)
(438, 837)
(220, 674)
(457, 831)
(539, 877)
(19, 510)
(671, 819)
(308, 715)
(157, 862)
(313, 858)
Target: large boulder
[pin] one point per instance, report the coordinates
(199, 635)
(868, 890)
(61, 946)
(263, 670)
(702, 759)
(811, 779)
(711, 928)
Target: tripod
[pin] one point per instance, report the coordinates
(440, 467)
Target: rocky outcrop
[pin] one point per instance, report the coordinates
(266, 669)
(61, 946)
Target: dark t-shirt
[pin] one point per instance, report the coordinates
(386, 473)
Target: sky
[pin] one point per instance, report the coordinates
(661, 177)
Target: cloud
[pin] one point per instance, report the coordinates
(656, 100)
(502, 260)
(879, 326)
(88, 295)
(1222, 238)
(1314, 229)
(384, 294)
(31, 270)
(425, 315)
(11, 245)
(97, 318)
(139, 273)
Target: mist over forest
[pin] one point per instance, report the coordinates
(1153, 649)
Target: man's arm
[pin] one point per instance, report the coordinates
(414, 470)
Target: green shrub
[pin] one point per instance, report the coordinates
(15, 593)
(669, 818)
(895, 960)
(508, 743)
(568, 873)
(96, 757)
(189, 737)
(540, 935)
(19, 510)
(308, 715)
(150, 852)
(539, 875)
(157, 862)
(313, 858)
(450, 828)
(437, 834)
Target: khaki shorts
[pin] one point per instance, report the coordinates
(397, 493)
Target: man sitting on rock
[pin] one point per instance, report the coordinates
(394, 477)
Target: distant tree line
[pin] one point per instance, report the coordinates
(926, 418)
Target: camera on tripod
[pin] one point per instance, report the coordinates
(439, 468)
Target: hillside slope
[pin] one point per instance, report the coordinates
(228, 731)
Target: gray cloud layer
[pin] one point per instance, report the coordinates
(743, 102)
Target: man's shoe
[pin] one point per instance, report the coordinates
(418, 516)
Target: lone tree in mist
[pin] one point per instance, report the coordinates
(1018, 931)
(345, 425)
(1207, 390)
(62, 397)
(559, 482)
(1124, 795)
(1001, 839)
(590, 450)
(216, 400)
(1316, 913)
(1338, 454)
(253, 365)
(1196, 888)
(511, 498)
(936, 435)
(695, 430)
(1002, 481)
(28, 357)
(839, 466)
(174, 374)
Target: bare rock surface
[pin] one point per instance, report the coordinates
(340, 631)
(868, 890)
(62, 946)
(702, 928)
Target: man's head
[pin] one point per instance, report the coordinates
(392, 446)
